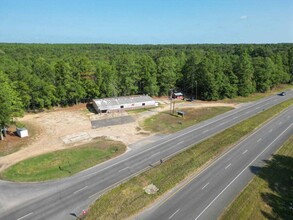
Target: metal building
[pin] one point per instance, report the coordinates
(125, 102)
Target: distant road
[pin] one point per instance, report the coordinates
(57, 199)
(209, 193)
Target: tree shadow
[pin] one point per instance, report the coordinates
(91, 108)
(278, 173)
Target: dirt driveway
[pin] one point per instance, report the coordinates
(69, 127)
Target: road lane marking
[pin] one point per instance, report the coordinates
(221, 123)
(244, 152)
(227, 166)
(241, 172)
(80, 189)
(280, 122)
(181, 142)
(205, 131)
(235, 117)
(122, 169)
(270, 130)
(174, 214)
(259, 140)
(193, 177)
(25, 216)
(155, 154)
(257, 108)
(205, 185)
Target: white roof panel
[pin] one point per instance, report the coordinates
(107, 102)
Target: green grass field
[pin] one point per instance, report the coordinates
(129, 197)
(63, 163)
(165, 122)
(270, 194)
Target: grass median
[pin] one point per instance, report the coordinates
(63, 163)
(270, 194)
(129, 197)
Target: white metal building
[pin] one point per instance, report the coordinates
(125, 102)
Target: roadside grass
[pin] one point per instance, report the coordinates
(165, 122)
(270, 194)
(13, 143)
(129, 197)
(63, 163)
(257, 96)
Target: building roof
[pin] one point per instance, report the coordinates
(178, 93)
(105, 103)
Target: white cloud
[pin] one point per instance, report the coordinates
(243, 17)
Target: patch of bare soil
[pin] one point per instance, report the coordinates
(69, 127)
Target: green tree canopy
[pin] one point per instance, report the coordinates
(10, 103)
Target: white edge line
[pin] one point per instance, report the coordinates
(94, 194)
(259, 140)
(244, 152)
(241, 173)
(25, 216)
(80, 189)
(174, 214)
(119, 182)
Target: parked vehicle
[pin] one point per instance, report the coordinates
(283, 93)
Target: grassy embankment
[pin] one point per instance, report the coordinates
(129, 197)
(63, 163)
(270, 194)
(165, 122)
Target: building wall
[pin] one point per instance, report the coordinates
(96, 107)
(126, 106)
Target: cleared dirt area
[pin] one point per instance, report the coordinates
(68, 127)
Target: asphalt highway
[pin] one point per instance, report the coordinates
(210, 192)
(57, 199)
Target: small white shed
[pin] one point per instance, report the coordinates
(22, 132)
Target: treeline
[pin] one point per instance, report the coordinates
(45, 75)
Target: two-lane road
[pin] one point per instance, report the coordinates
(207, 195)
(57, 199)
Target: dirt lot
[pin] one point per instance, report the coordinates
(69, 127)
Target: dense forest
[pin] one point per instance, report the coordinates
(37, 76)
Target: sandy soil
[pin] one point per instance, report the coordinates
(69, 127)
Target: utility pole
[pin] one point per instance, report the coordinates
(171, 93)
(195, 90)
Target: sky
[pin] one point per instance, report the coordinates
(146, 21)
